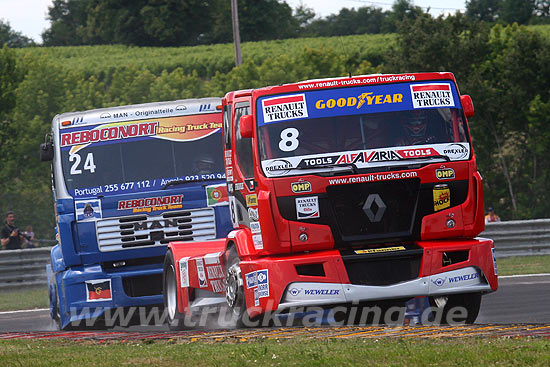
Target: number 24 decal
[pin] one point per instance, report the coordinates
(289, 139)
(88, 163)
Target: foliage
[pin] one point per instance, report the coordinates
(505, 69)
(12, 38)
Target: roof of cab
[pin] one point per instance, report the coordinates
(351, 81)
(140, 111)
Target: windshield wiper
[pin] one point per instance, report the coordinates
(442, 156)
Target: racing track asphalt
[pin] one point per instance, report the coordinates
(519, 300)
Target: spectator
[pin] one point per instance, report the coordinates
(10, 237)
(491, 217)
(29, 237)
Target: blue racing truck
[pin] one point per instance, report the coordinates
(127, 181)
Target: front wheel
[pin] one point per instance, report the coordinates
(174, 318)
(234, 292)
(456, 308)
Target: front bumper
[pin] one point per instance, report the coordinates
(275, 283)
(76, 303)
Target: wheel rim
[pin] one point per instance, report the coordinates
(232, 285)
(171, 293)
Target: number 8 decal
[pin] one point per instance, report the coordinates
(289, 139)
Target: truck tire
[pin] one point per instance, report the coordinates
(174, 318)
(471, 302)
(234, 291)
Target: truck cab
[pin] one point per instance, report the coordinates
(126, 181)
(349, 190)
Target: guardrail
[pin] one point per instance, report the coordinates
(519, 237)
(24, 268)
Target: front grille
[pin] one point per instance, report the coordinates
(383, 269)
(114, 234)
(369, 211)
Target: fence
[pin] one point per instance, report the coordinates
(20, 268)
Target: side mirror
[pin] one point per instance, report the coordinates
(46, 151)
(467, 105)
(246, 126)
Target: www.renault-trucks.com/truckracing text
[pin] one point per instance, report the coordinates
(343, 191)
(127, 181)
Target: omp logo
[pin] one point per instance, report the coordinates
(156, 224)
(302, 186)
(380, 208)
(445, 174)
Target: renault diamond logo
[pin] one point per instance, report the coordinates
(367, 208)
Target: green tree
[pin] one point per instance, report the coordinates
(12, 38)
(519, 11)
(484, 10)
(67, 23)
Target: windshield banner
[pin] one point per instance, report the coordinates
(181, 128)
(364, 158)
(357, 100)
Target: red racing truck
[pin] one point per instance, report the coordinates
(343, 191)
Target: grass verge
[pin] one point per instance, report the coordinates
(524, 265)
(24, 299)
(294, 352)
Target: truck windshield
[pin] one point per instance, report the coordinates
(141, 155)
(361, 126)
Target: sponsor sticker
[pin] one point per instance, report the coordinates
(258, 242)
(151, 203)
(284, 108)
(87, 210)
(201, 274)
(98, 290)
(278, 167)
(263, 283)
(301, 186)
(378, 250)
(217, 286)
(214, 272)
(432, 95)
(442, 197)
(256, 297)
(184, 272)
(445, 174)
(253, 214)
(439, 281)
(255, 227)
(251, 280)
(307, 207)
(251, 200)
(216, 195)
(456, 151)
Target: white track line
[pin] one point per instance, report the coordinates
(19, 311)
(524, 275)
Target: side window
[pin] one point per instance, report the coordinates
(227, 127)
(243, 146)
